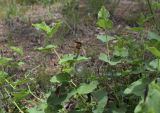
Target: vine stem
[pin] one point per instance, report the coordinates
(10, 84)
(57, 54)
(29, 89)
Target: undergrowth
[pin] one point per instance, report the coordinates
(126, 81)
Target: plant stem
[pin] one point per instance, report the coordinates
(57, 54)
(152, 12)
(13, 101)
(32, 93)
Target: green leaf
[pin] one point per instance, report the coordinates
(42, 26)
(50, 31)
(101, 98)
(3, 75)
(54, 29)
(55, 99)
(104, 23)
(60, 78)
(136, 29)
(71, 58)
(105, 38)
(103, 13)
(40, 108)
(105, 58)
(87, 88)
(18, 50)
(121, 109)
(152, 103)
(153, 36)
(122, 52)
(155, 64)
(102, 38)
(137, 87)
(46, 49)
(4, 60)
(156, 5)
(20, 95)
(20, 82)
(154, 51)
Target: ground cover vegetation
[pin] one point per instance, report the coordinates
(89, 59)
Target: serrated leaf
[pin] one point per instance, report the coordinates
(105, 23)
(50, 31)
(154, 51)
(102, 98)
(54, 29)
(103, 13)
(60, 78)
(42, 26)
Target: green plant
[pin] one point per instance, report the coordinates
(12, 91)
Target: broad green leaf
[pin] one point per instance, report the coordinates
(105, 23)
(102, 38)
(46, 49)
(87, 88)
(71, 58)
(152, 103)
(4, 60)
(105, 38)
(154, 51)
(50, 31)
(55, 99)
(103, 13)
(82, 89)
(137, 87)
(122, 52)
(101, 98)
(153, 36)
(60, 78)
(105, 58)
(18, 50)
(155, 64)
